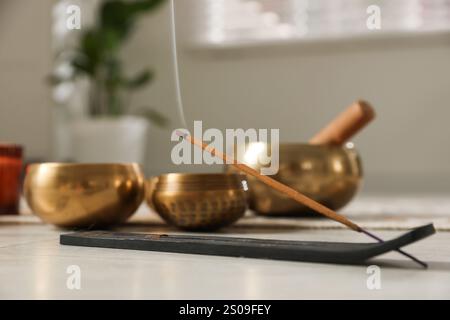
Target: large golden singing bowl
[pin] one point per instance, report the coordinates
(199, 202)
(84, 195)
(330, 175)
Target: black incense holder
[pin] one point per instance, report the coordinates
(308, 251)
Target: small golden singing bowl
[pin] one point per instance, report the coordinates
(199, 202)
(330, 175)
(84, 195)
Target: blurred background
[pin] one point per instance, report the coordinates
(287, 64)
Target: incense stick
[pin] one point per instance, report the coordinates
(294, 194)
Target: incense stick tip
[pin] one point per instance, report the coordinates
(181, 133)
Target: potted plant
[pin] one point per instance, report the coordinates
(110, 132)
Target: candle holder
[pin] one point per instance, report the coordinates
(10, 173)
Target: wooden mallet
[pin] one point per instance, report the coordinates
(345, 125)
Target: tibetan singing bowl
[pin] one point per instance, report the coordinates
(84, 195)
(198, 202)
(330, 175)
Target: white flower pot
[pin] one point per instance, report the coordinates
(103, 140)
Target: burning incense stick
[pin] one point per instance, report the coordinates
(297, 196)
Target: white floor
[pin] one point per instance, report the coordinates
(34, 266)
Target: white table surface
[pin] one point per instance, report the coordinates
(33, 265)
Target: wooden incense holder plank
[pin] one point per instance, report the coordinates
(307, 251)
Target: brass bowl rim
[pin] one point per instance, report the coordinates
(312, 146)
(198, 175)
(200, 181)
(76, 165)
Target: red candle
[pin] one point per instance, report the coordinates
(10, 171)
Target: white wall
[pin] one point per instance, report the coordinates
(24, 64)
(297, 89)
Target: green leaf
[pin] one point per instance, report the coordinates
(122, 14)
(140, 80)
(83, 64)
(116, 15)
(90, 45)
(113, 68)
(109, 39)
(146, 5)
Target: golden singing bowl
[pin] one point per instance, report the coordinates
(84, 195)
(330, 175)
(199, 202)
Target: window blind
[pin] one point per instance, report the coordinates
(241, 21)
